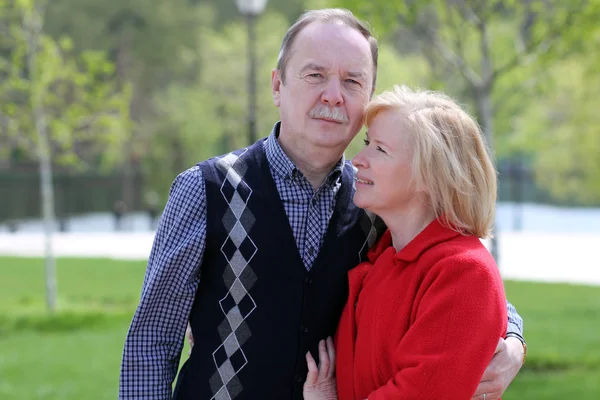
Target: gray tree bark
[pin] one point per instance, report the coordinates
(32, 22)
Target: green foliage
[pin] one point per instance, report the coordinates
(511, 52)
(85, 111)
(561, 130)
(143, 36)
(209, 117)
(381, 15)
(176, 73)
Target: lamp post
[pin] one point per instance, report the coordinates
(251, 9)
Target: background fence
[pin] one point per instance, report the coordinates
(75, 194)
(118, 193)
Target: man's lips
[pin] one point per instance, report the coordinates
(330, 120)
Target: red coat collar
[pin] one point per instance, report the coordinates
(433, 234)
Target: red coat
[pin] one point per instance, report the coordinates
(421, 323)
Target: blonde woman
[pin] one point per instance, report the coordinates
(425, 312)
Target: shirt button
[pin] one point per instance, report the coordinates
(308, 280)
(311, 251)
(304, 329)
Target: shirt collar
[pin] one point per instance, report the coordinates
(284, 167)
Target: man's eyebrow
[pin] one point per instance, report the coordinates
(356, 74)
(313, 67)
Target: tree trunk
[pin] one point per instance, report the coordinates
(124, 64)
(486, 116)
(484, 105)
(486, 113)
(33, 26)
(47, 207)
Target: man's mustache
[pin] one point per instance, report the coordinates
(334, 113)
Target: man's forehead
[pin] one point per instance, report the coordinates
(323, 51)
(323, 37)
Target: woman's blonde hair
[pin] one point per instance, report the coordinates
(450, 162)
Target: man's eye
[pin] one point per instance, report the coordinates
(366, 141)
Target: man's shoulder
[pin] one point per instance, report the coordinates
(188, 182)
(229, 158)
(190, 175)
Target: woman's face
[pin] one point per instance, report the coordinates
(384, 182)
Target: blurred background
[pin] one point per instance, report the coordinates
(103, 103)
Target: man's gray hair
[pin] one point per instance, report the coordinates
(325, 15)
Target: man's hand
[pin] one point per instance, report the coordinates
(505, 365)
(188, 333)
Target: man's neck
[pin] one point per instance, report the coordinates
(315, 164)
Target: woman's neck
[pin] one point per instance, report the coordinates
(407, 223)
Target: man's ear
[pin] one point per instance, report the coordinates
(275, 86)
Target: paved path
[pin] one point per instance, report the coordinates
(552, 257)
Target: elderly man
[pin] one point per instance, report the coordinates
(253, 247)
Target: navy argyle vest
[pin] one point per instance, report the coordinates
(257, 310)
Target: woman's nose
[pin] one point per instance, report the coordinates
(359, 160)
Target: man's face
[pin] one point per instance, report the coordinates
(328, 82)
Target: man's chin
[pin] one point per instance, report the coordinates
(331, 138)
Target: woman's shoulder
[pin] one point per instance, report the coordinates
(465, 248)
(462, 255)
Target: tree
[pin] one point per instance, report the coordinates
(56, 107)
(481, 42)
(144, 39)
(560, 129)
(201, 120)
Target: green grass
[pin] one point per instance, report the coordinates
(101, 284)
(76, 353)
(563, 336)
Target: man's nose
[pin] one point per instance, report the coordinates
(332, 95)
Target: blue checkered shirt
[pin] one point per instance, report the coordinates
(154, 341)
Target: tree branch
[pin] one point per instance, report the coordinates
(535, 48)
(528, 55)
(458, 37)
(516, 90)
(455, 60)
(467, 13)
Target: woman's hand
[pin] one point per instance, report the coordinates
(320, 382)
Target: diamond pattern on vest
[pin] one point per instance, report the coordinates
(373, 228)
(239, 278)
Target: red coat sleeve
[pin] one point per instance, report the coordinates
(458, 317)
